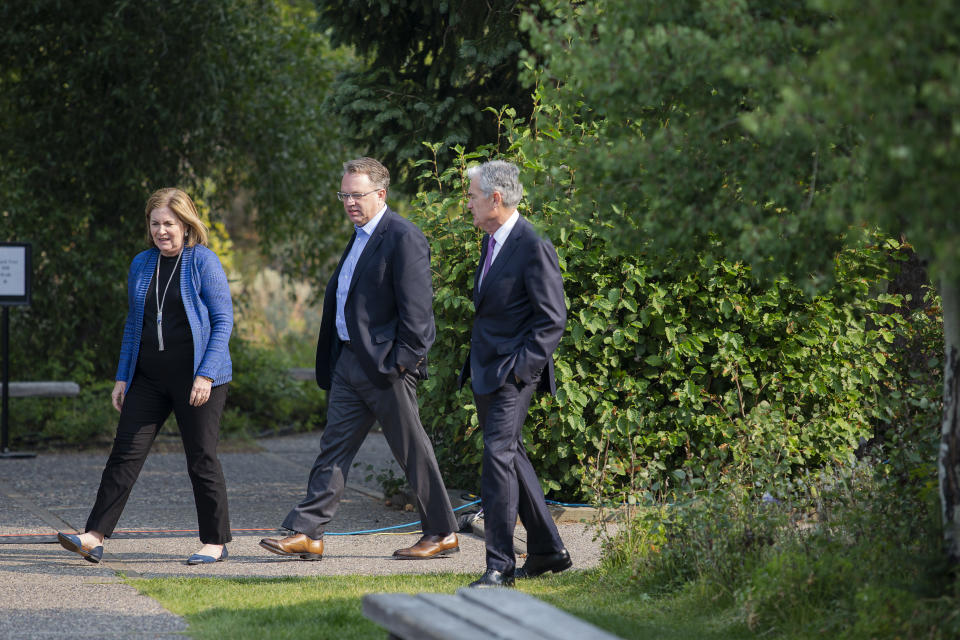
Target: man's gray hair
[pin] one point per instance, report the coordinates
(501, 176)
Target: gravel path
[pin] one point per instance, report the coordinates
(40, 582)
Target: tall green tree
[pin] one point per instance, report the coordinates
(890, 76)
(102, 101)
(429, 70)
(668, 85)
(781, 130)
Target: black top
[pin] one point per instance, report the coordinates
(177, 336)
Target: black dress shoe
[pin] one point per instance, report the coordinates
(494, 578)
(539, 563)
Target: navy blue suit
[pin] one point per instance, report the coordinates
(520, 318)
(389, 317)
(389, 311)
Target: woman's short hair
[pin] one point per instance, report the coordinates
(378, 174)
(195, 232)
(498, 175)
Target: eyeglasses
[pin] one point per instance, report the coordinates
(342, 197)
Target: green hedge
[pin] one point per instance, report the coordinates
(264, 399)
(672, 374)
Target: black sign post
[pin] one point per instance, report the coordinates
(15, 285)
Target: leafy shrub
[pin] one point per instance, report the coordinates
(851, 552)
(88, 419)
(263, 398)
(671, 373)
(715, 538)
(868, 564)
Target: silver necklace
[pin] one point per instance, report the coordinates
(160, 300)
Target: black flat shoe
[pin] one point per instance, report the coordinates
(494, 578)
(71, 542)
(540, 563)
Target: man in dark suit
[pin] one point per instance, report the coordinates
(376, 329)
(520, 317)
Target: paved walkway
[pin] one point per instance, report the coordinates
(40, 582)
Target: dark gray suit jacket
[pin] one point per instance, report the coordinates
(389, 309)
(520, 314)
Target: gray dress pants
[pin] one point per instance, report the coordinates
(354, 404)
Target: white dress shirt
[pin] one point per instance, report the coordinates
(500, 236)
(346, 271)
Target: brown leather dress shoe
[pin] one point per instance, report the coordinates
(296, 545)
(430, 546)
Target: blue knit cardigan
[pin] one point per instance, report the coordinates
(206, 299)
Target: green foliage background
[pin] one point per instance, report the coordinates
(429, 69)
(662, 179)
(779, 127)
(101, 102)
(681, 372)
(712, 174)
(666, 87)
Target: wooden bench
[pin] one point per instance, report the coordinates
(302, 373)
(42, 389)
(478, 614)
(29, 390)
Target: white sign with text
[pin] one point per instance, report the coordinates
(13, 271)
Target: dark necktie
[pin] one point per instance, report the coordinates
(491, 243)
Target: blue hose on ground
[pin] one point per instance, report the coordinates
(396, 526)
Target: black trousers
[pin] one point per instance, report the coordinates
(354, 404)
(159, 387)
(508, 482)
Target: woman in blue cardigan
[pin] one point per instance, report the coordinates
(174, 357)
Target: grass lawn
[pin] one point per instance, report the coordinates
(329, 607)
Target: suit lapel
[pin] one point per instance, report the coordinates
(371, 247)
(506, 251)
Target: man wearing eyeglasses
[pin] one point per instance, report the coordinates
(376, 329)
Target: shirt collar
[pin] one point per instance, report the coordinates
(371, 226)
(500, 235)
